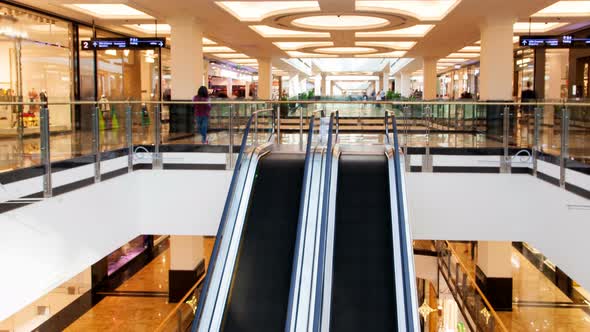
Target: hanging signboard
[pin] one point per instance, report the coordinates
(553, 42)
(122, 43)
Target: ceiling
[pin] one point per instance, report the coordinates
(341, 36)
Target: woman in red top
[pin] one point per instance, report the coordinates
(202, 113)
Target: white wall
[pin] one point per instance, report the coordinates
(54, 240)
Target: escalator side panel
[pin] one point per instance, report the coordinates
(259, 293)
(363, 292)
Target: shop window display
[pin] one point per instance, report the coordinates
(35, 66)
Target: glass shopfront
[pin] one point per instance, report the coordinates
(35, 66)
(462, 83)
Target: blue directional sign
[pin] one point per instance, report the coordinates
(122, 43)
(554, 42)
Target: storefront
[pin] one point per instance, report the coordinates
(459, 83)
(41, 60)
(226, 81)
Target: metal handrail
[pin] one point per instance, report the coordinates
(321, 102)
(411, 307)
(474, 284)
(224, 216)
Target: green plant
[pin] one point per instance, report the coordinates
(311, 94)
(390, 95)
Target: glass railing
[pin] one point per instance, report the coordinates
(477, 311)
(556, 131)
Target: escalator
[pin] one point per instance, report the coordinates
(363, 292)
(259, 292)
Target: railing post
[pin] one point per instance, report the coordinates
(536, 136)
(300, 126)
(564, 153)
(231, 137)
(505, 166)
(256, 129)
(46, 152)
(427, 158)
(278, 125)
(96, 142)
(157, 159)
(129, 137)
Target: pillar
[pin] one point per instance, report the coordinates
(405, 87)
(187, 265)
(264, 78)
(496, 59)
(186, 57)
(494, 273)
(398, 83)
(229, 82)
(146, 69)
(247, 90)
(324, 85)
(385, 80)
(318, 85)
(206, 73)
(332, 83)
(429, 68)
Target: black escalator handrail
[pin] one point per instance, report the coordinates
(317, 321)
(232, 188)
(409, 298)
(306, 170)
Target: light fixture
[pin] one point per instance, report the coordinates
(291, 46)
(394, 54)
(109, 10)
(486, 314)
(297, 54)
(418, 30)
(451, 60)
(468, 49)
(126, 53)
(422, 10)
(150, 28)
(207, 41)
(345, 50)
(270, 32)
(13, 33)
(217, 49)
(256, 11)
(340, 22)
(399, 45)
(536, 27)
(565, 9)
(111, 52)
(463, 55)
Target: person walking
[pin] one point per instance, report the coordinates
(202, 112)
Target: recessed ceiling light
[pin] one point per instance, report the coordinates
(395, 54)
(230, 55)
(256, 11)
(270, 32)
(297, 54)
(463, 55)
(207, 41)
(471, 49)
(419, 30)
(451, 60)
(340, 22)
(109, 11)
(217, 49)
(565, 9)
(523, 27)
(428, 10)
(515, 39)
(345, 50)
(291, 46)
(400, 45)
(150, 28)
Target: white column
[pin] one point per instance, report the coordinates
(398, 83)
(494, 271)
(247, 90)
(264, 78)
(187, 264)
(324, 84)
(332, 83)
(186, 57)
(146, 69)
(229, 82)
(429, 67)
(496, 59)
(206, 73)
(385, 81)
(318, 85)
(405, 86)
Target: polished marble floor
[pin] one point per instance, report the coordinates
(538, 305)
(139, 304)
